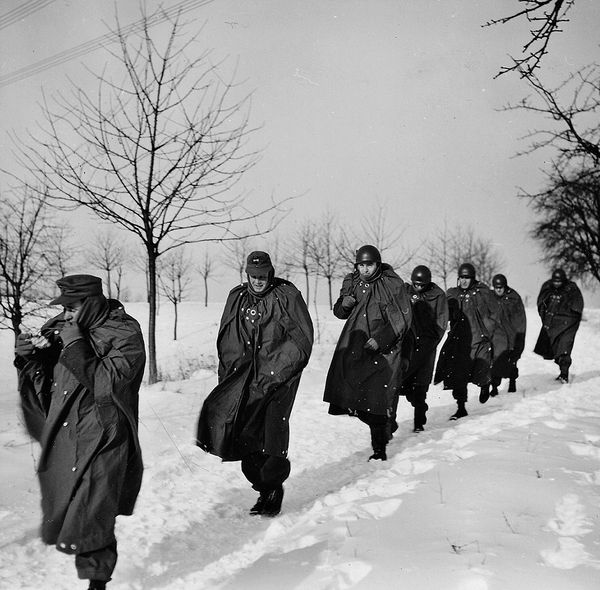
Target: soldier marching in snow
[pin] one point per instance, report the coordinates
(466, 355)
(264, 342)
(428, 326)
(366, 367)
(508, 339)
(560, 305)
(79, 384)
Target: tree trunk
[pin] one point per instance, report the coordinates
(152, 369)
(330, 295)
(307, 284)
(108, 285)
(175, 322)
(205, 292)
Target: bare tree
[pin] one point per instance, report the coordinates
(325, 252)
(27, 257)
(175, 276)
(108, 254)
(545, 18)
(206, 268)
(236, 253)
(450, 248)
(568, 228)
(300, 254)
(157, 153)
(280, 256)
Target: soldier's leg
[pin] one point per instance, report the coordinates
(98, 565)
(459, 393)
(266, 473)
(417, 397)
(378, 425)
(495, 384)
(564, 362)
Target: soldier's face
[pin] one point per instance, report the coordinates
(418, 286)
(464, 282)
(366, 269)
(258, 282)
(499, 291)
(557, 284)
(72, 311)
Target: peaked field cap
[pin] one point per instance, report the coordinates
(77, 287)
(259, 262)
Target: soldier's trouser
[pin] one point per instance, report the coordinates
(417, 397)
(265, 472)
(564, 362)
(460, 394)
(378, 425)
(98, 564)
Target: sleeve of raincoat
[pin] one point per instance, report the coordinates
(442, 315)
(520, 324)
(576, 300)
(228, 342)
(111, 371)
(294, 352)
(542, 300)
(347, 289)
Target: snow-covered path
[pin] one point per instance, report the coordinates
(505, 498)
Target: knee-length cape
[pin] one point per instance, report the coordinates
(508, 339)
(360, 379)
(428, 326)
(81, 403)
(560, 311)
(466, 355)
(260, 365)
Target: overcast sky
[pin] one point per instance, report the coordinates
(358, 101)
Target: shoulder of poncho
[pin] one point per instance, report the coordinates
(118, 323)
(435, 292)
(283, 287)
(513, 294)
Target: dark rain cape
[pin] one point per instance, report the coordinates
(466, 355)
(359, 379)
(260, 364)
(81, 404)
(428, 326)
(508, 339)
(560, 311)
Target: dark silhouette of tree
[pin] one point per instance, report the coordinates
(235, 255)
(545, 18)
(175, 276)
(568, 228)
(29, 247)
(300, 254)
(157, 152)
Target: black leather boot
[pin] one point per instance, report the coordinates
(273, 500)
(484, 393)
(97, 585)
(461, 411)
(512, 386)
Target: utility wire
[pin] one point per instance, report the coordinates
(98, 42)
(22, 11)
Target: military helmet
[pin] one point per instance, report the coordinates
(559, 276)
(499, 281)
(368, 254)
(466, 271)
(421, 274)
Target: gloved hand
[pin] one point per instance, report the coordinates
(348, 302)
(70, 332)
(23, 345)
(371, 344)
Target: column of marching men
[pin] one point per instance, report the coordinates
(79, 380)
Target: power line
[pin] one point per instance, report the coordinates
(96, 43)
(22, 11)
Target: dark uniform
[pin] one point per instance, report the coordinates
(79, 394)
(363, 379)
(560, 305)
(508, 339)
(264, 342)
(428, 326)
(466, 355)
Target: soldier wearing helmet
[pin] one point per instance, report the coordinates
(466, 355)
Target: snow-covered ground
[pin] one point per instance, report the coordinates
(504, 499)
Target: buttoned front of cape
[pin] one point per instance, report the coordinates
(466, 355)
(81, 404)
(560, 311)
(263, 345)
(428, 326)
(508, 339)
(360, 379)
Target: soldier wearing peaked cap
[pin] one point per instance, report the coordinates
(79, 382)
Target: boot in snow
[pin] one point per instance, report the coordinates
(273, 500)
(97, 585)
(461, 412)
(484, 393)
(420, 417)
(260, 504)
(512, 386)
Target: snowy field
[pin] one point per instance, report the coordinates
(507, 498)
